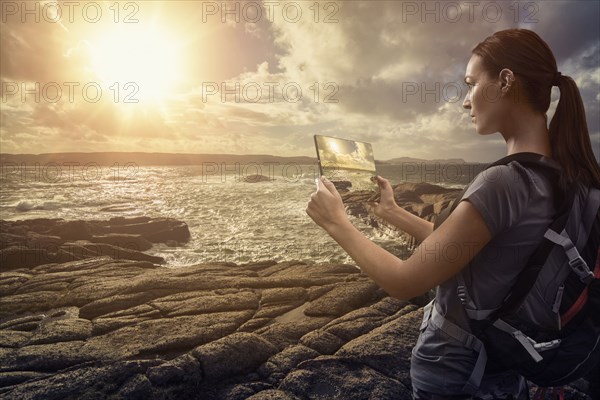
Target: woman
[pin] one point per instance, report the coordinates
(497, 224)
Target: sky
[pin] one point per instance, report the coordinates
(252, 77)
(338, 153)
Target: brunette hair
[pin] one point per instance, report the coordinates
(533, 64)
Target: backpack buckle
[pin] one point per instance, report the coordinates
(461, 291)
(580, 267)
(547, 345)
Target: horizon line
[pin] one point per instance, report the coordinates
(219, 154)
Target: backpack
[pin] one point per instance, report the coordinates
(548, 326)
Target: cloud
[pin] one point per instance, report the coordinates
(384, 72)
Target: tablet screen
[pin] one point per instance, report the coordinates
(349, 164)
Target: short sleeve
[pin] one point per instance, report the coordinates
(499, 194)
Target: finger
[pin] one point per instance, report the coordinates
(382, 182)
(311, 205)
(329, 186)
(308, 209)
(319, 182)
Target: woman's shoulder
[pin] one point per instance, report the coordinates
(532, 179)
(507, 194)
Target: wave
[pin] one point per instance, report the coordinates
(27, 205)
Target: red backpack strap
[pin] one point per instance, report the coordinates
(582, 299)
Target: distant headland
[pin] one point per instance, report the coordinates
(163, 159)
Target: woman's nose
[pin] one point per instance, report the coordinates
(467, 102)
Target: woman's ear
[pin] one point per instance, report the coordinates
(506, 80)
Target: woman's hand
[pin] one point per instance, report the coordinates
(387, 204)
(388, 210)
(326, 207)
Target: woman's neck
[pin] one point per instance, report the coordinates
(527, 132)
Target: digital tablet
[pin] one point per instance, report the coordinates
(349, 164)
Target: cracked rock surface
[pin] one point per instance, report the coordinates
(99, 326)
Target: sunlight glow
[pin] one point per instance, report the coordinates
(147, 57)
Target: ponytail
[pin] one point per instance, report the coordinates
(531, 59)
(569, 137)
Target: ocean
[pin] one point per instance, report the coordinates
(231, 217)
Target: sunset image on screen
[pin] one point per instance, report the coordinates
(344, 153)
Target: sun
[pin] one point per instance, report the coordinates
(145, 61)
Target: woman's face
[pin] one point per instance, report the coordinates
(484, 98)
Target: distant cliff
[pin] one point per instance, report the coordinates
(140, 158)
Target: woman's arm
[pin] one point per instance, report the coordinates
(441, 255)
(388, 210)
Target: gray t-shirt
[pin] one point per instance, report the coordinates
(517, 206)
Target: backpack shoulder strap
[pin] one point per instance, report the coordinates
(557, 235)
(527, 277)
(563, 202)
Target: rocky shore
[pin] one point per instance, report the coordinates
(85, 314)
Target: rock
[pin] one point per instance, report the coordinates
(50, 243)
(322, 341)
(342, 299)
(233, 355)
(178, 233)
(284, 296)
(62, 330)
(283, 334)
(184, 368)
(128, 221)
(71, 230)
(271, 394)
(254, 324)
(387, 348)
(104, 328)
(12, 240)
(11, 338)
(31, 243)
(138, 387)
(256, 178)
(126, 241)
(13, 323)
(164, 335)
(242, 391)
(205, 302)
(20, 304)
(14, 378)
(84, 249)
(114, 303)
(87, 382)
(288, 359)
(342, 185)
(155, 231)
(273, 311)
(49, 357)
(423, 210)
(15, 257)
(10, 281)
(355, 323)
(331, 378)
